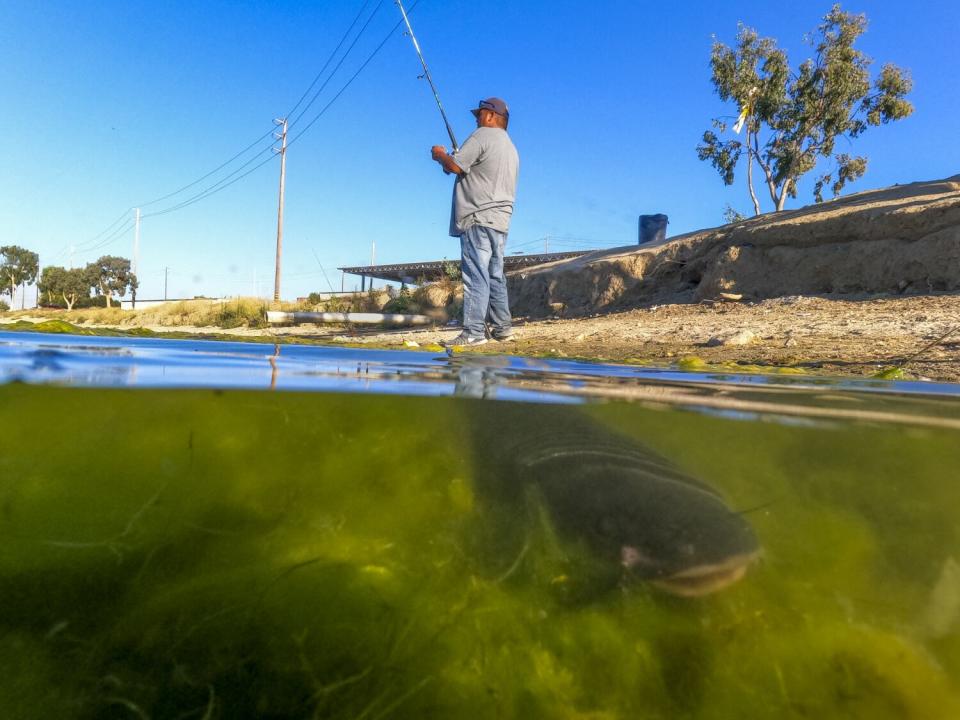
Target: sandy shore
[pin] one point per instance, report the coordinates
(829, 336)
(919, 334)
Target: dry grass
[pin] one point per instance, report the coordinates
(238, 312)
(229, 313)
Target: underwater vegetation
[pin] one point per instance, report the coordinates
(209, 554)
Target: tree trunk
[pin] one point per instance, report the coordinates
(782, 200)
(767, 172)
(68, 301)
(753, 195)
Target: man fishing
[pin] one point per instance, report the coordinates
(486, 168)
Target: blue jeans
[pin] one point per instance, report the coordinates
(484, 286)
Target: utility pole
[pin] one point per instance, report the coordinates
(373, 258)
(136, 244)
(166, 276)
(282, 137)
(546, 244)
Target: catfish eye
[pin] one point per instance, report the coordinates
(634, 557)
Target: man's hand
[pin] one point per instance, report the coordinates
(449, 165)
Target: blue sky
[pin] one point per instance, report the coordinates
(110, 105)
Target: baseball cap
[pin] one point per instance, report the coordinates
(493, 103)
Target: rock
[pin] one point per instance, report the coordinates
(742, 337)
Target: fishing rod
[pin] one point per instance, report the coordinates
(426, 74)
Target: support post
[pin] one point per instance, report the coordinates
(283, 172)
(136, 243)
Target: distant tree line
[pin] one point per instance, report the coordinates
(95, 284)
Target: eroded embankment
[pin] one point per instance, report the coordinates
(903, 239)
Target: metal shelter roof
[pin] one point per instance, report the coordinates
(433, 270)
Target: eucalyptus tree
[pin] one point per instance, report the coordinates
(793, 119)
(110, 274)
(70, 285)
(18, 266)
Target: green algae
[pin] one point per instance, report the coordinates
(57, 327)
(691, 362)
(890, 373)
(241, 554)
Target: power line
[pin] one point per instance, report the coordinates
(221, 184)
(339, 64)
(329, 59)
(82, 246)
(212, 172)
(112, 238)
(92, 244)
(226, 181)
(352, 78)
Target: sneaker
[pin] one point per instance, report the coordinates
(506, 336)
(464, 340)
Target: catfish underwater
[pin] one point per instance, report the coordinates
(637, 514)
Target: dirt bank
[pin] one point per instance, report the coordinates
(899, 240)
(809, 334)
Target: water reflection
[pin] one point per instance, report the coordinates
(144, 362)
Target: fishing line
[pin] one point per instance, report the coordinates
(426, 74)
(762, 506)
(322, 270)
(922, 350)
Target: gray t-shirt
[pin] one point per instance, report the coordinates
(484, 194)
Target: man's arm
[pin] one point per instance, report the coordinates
(449, 165)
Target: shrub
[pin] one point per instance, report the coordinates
(402, 303)
(242, 312)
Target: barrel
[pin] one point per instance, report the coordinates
(653, 228)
